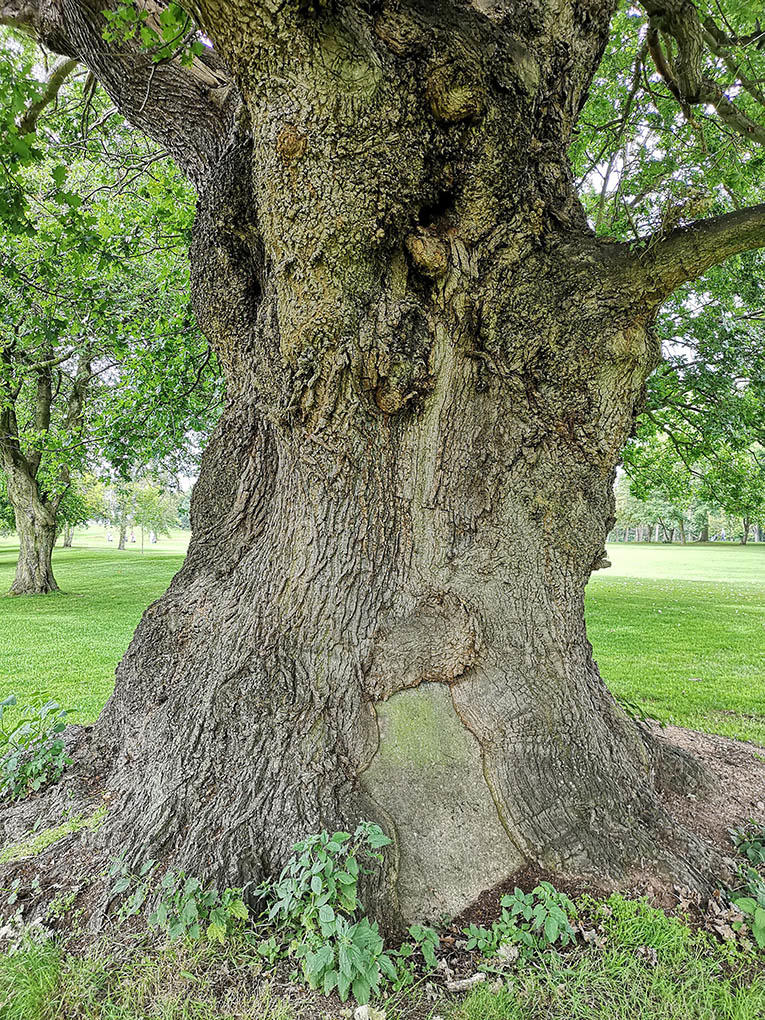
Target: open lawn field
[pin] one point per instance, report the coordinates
(678, 629)
(681, 631)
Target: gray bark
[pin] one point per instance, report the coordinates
(432, 367)
(36, 530)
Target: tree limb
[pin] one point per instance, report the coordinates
(668, 261)
(189, 111)
(685, 76)
(58, 75)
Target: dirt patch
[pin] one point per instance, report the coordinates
(738, 795)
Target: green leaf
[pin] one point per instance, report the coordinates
(361, 990)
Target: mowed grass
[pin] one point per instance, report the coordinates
(677, 629)
(649, 967)
(681, 631)
(67, 646)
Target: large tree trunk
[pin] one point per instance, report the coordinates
(382, 610)
(36, 530)
(432, 367)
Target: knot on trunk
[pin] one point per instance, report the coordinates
(437, 643)
(291, 144)
(396, 366)
(453, 94)
(429, 253)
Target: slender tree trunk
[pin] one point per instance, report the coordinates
(704, 535)
(123, 535)
(68, 536)
(745, 534)
(681, 529)
(36, 530)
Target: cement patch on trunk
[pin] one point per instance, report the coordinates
(428, 777)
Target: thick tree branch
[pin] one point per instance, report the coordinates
(685, 75)
(58, 75)
(668, 261)
(187, 110)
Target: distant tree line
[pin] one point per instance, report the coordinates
(721, 498)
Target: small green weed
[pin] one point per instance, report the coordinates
(749, 840)
(185, 909)
(315, 910)
(531, 922)
(31, 753)
(751, 902)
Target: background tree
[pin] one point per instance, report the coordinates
(735, 482)
(432, 366)
(100, 353)
(84, 501)
(155, 509)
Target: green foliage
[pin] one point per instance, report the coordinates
(749, 898)
(648, 965)
(315, 910)
(173, 36)
(101, 361)
(31, 750)
(644, 166)
(185, 907)
(751, 902)
(749, 840)
(530, 922)
(83, 501)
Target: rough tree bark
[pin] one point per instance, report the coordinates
(432, 367)
(36, 531)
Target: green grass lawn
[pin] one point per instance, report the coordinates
(67, 645)
(679, 629)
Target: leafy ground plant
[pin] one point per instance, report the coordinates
(315, 910)
(749, 897)
(185, 907)
(749, 840)
(530, 923)
(32, 752)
